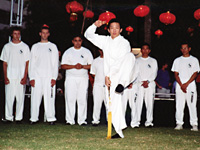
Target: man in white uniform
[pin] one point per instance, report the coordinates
(118, 67)
(146, 73)
(15, 56)
(130, 95)
(76, 61)
(186, 68)
(97, 70)
(43, 72)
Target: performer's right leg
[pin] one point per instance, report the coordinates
(70, 99)
(10, 97)
(36, 98)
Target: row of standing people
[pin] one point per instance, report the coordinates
(43, 70)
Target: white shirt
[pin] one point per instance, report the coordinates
(44, 61)
(16, 56)
(114, 49)
(186, 67)
(97, 69)
(146, 69)
(73, 56)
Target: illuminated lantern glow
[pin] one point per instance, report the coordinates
(167, 18)
(88, 14)
(158, 33)
(197, 15)
(141, 11)
(74, 7)
(73, 17)
(129, 29)
(106, 16)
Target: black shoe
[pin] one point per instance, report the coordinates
(18, 122)
(33, 123)
(83, 124)
(95, 125)
(52, 123)
(116, 136)
(150, 126)
(67, 123)
(119, 88)
(6, 121)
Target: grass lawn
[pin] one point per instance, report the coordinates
(43, 136)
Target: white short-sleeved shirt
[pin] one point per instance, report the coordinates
(147, 69)
(97, 69)
(186, 67)
(44, 61)
(16, 56)
(73, 56)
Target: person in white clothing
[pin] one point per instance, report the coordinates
(130, 95)
(43, 72)
(15, 56)
(186, 68)
(146, 73)
(76, 61)
(97, 70)
(118, 67)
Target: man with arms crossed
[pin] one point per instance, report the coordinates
(76, 61)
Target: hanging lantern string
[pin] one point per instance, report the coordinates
(83, 24)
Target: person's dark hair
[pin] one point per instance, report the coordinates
(114, 20)
(147, 44)
(185, 42)
(44, 26)
(77, 35)
(15, 28)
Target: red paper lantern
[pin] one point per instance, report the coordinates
(74, 7)
(141, 11)
(106, 16)
(129, 29)
(158, 33)
(197, 15)
(88, 14)
(167, 18)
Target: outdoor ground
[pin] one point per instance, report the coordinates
(60, 136)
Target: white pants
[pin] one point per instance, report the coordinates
(98, 99)
(130, 95)
(12, 90)
(145, 95)
(76, 89)
(120, 73)
(43, 88)
(191, 98)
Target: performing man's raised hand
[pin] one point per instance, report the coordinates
(99, 23)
